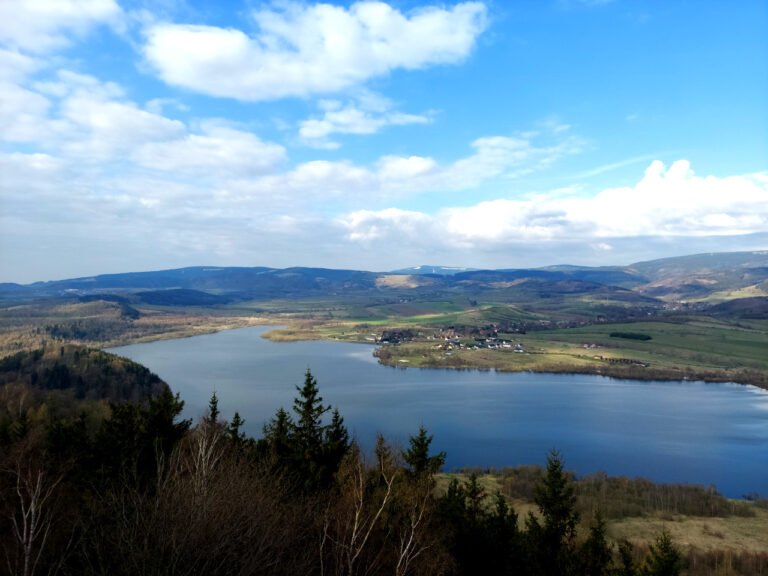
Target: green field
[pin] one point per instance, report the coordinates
(681, 347)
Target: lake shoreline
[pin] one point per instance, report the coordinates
(619, 371)
(283, 333)
(669, 431)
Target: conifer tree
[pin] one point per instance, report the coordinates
(213, 409)
(474, 495)
(277, 441)
(627, 567)
(596, 554)
(309, 409)
(551, 544)
(335, 442)
(663, 558)
(418, 458)
(233, 430)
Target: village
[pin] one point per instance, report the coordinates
(450, 339)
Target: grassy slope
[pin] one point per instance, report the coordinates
(733, 533)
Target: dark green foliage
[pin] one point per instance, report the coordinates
(334, 447)
(129, 312)
(628, 567)
(85, 373)
(132, 440)
(596, 554)
(552, 542)
(213, 409)
(306, 450)
(276, 443)
(630, 335)
(309, 409)
(418, 458)
(482, 540)
(663, 558)
(233, 431)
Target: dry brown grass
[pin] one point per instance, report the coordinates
(403, 281)
(733, 533)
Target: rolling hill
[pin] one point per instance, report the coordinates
(704, 277)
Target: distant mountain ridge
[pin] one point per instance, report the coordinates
(700, 276)
(436, 270)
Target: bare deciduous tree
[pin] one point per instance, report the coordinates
(31, 516)
(364, 496)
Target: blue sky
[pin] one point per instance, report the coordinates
(372, 135)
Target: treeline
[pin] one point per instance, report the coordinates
(622, 497)
(136, 490)
(630, 335)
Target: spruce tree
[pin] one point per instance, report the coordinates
(277, 442)
(418, 458)
(596, 554)
(213, 409)
(335, 442)
(233, 430)
(475, 496)
(309, 409)
(552, 543)
(663, 558)
(627, 567)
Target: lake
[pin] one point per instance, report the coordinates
(691, 432)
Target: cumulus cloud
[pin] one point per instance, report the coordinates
(311, 49)
(79, 116)
(39, 26)
(671, 202)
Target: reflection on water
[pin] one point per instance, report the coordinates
(667, 431)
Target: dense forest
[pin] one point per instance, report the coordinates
(99, 475)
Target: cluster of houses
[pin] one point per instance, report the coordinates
(449, 339)
(590, 346)
(479, 343)
(396, 336)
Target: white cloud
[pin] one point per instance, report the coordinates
(311, 49)
(666, 202)
(39, 26)
(366, 225)
(352, 119)
(219, 149)
(15, 66)
(107, 128)
(393, 176)
(22, 113)
(399, 169)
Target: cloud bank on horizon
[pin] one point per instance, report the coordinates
(377, 135)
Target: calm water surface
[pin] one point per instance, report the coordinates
(668, 431)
